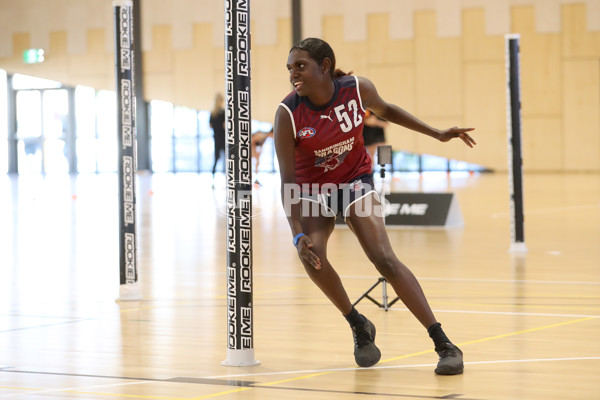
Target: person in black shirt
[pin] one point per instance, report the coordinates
(217, 123)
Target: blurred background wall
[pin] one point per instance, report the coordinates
(443, 60)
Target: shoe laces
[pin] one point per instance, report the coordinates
(361, 336)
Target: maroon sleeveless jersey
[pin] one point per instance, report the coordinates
(329, 139)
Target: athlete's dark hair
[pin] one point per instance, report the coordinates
(318, 49)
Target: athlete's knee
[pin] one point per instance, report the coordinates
(386, 263)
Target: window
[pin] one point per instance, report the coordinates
(186, 140)
(85, 116)
(3, 123)
(106, 130)
(161, 129)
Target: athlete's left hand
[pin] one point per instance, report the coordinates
(455, 132)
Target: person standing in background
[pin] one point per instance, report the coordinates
(373, 133)
(217, 123)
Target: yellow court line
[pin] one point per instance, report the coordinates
(529, 330)
(292, 379)
(18, 388)
(312, 375)
(512, 305)
(404, 356)
(539, 328)
(208, 396)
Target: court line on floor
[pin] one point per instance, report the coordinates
(328, 370)
(459, 344)
(76, 390)
(553, 210)
(257, 385)
(279, 275)
(74, 321)
(514, 313)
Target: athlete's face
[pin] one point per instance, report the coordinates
(305, 74)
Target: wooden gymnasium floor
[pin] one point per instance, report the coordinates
(529, 326)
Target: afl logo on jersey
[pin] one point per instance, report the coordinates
(306, 133)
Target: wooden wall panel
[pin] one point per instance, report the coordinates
(438, 70)
(381, 48)
(191, 67)
(485, 110)
(476, 44)
(543, 144)
(432, 68)
(396, 84)
(540, 65)
(577, 40)
(581, 83)
(94, 68)
(270, 78)
(350, 56)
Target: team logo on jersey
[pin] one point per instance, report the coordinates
(306, 133)
(331, 161)
(333, 156)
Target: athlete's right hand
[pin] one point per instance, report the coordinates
(306, 254)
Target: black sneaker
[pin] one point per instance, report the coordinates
(366, 353)
(451, 360)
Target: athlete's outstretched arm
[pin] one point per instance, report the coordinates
(285, 147)
(391, 112)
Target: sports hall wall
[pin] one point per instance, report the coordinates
(443, 60)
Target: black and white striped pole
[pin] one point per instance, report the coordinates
(240, 343)
(515, 158)
(129, 288)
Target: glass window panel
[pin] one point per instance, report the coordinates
(106, 110)
(204, 124)
(267, 157)
(85, 121)
(404, 161)
(31, 82)
(207, 143)
(261, 126)
(107, 154)
(3, 123)
(456, 165)
(87, 155)
(85, 115)
(56, 110)
(207, 152)
(106, 125)
(29, 113)
(185, 122)
(434, 163)
(30, 155)
(55, 157)
(162, 154)
(161, 131)
(161, 119)
(186, 154)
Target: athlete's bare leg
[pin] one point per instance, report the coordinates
(319, 229)
(372, 235)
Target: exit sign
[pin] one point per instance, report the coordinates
(33, 56)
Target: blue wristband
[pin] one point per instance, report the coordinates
(297, 237)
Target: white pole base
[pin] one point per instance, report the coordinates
(130, 292)
(518, 248)
(240, 358)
